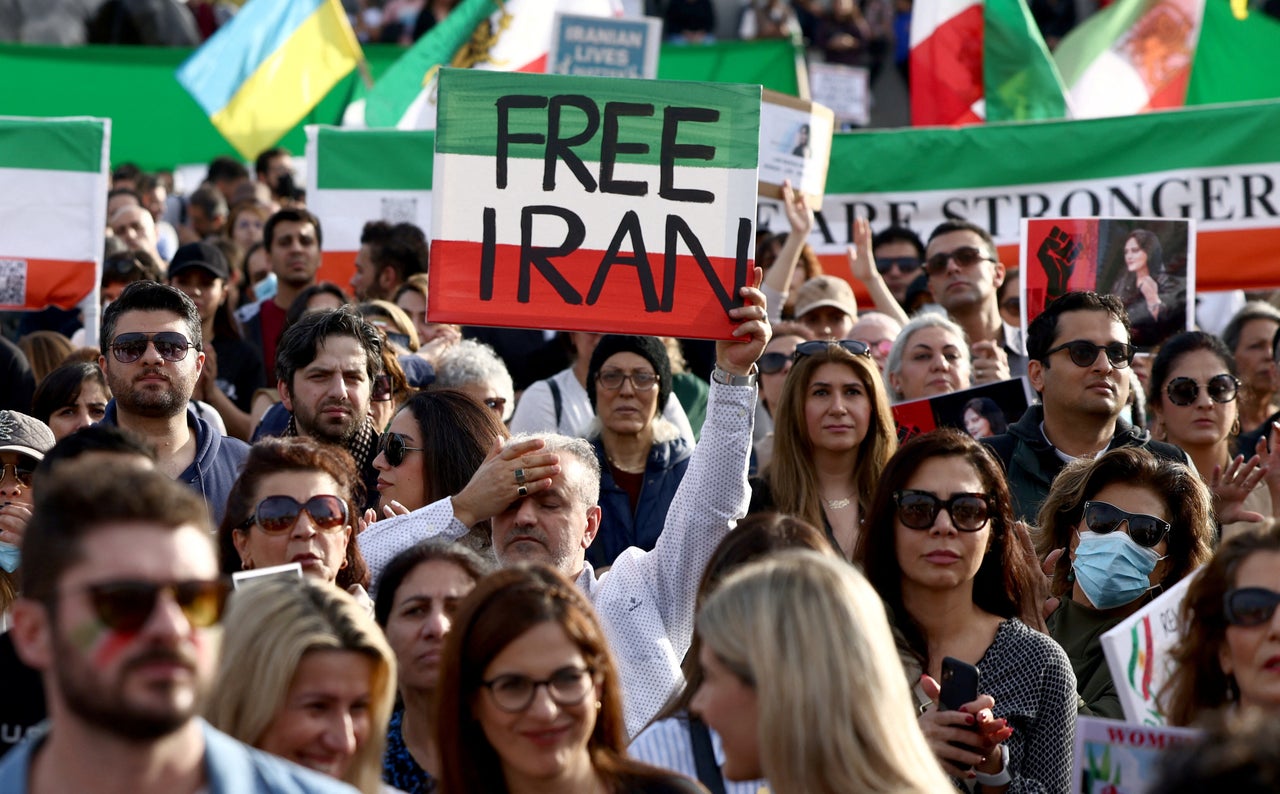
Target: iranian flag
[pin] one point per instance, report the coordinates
(357, 176)
(592, 204)
(53, 202)
(974, 61)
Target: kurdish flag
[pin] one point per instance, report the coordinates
(53, 202)
(357, 176)
(976, 60)
(271, 64)
(592, 204)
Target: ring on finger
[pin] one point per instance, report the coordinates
(522, 491)
(519, 476)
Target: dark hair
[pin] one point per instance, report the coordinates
(292, 215)
(1175, 348)
(129, 171)
(407, 561)
(83, 496)
(124, 191)
(210, 201)
(1198, 683)
(1185, 496)
(1150, 245)
(402, 247)
(989, 410)
(1004, 584)
(299, 305)
(1011, 276)
(502, 607)
(94, 438)
(263, 163)
(898, 234)
(126, 266)
(756, 536)
(957, 225)
(300, 342)
(457, 434)
(224, 168)
(149, 296)
(1253, 310)
(294, 453)
(1043, 330)
(62, 386)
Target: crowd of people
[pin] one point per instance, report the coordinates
(475, 559)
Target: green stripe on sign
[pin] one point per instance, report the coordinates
(1028, 153)
(374, 159)
(54, 145)
(467, 118)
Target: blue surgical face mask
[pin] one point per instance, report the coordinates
(10, 557)
(1112, 570)
(266, 288)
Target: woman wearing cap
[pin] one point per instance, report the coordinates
(23, 442)
(642, 456)
(233, 368)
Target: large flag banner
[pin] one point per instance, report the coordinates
(266, 68)
(53, 210)
(593, 204)
(1219, 166)
(357, 176)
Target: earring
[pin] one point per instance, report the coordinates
(599, 705)
(246, 563)
(1235, 427)
(1071, 576)
(1233, 692)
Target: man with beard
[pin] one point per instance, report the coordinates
(325, 369)
(292, 240)
(121, 601)
(151, 341)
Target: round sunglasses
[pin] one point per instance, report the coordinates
(1103, 517)
(969, 512)
(394, 448)
(127, 605)
(276, 515)
(1083, 353)
(1220, 388)
(1249, 606)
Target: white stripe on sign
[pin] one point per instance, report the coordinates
(343, 213)
(49, 214)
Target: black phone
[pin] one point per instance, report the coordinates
(959, 686)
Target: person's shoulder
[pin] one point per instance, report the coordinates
(1032, 646)
(651, 780)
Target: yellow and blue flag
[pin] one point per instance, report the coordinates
(268, 67)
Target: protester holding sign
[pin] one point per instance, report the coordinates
(1226, 657)
(1132, 525)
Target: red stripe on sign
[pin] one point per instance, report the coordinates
(337, 267)
(27, 283)
(576, 292)
(946, 72)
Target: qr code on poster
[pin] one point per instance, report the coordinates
(13, 282)
(400, 210)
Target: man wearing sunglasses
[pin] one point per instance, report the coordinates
(964, 276)
(542, 494)
(151, 354)
(1079, 359)
(121, 600)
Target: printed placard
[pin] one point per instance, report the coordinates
(984, 410)
(592, 204)
(1113, 757)
(845, 89)
(605, 46)
(1149, 263)
(795, 144)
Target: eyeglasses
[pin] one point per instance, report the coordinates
(22, 474)
(393, 446)
(969, 512)
(1250, 606)
(822, 345)
(513, 693)
(612, 379)
(1102, 518)
(171, 345)
(1185, 391)
(773, 363)
(965, 256)
(905, 264)
(127, 605)
(1083, 353)
(380, 391)
(498, 404)
(276, 515)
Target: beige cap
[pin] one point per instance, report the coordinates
(826, 291)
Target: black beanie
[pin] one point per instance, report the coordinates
(649, 348)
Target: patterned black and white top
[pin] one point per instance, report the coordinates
(399, 769)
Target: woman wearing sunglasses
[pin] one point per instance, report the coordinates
(294, 501)
(940, 549)
(1194, 398)
(1132, 524)
(929, 357)
(833, 433)
(529, 697)
(318, 691)
(1230, 634)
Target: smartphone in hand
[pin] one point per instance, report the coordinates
(959, 686)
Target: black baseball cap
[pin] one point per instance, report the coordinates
(206, 256)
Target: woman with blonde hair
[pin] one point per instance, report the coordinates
(816, 624)
(306, 675)
(833, 433)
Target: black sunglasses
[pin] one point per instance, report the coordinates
(1249, 606)
(965, 256)
(381, 390)
(127, 605)
(1083, 353)
(171, 345)
(276, 515)
(1103, 517)
(919, 509)
(772, 363)
(393, 446)
(24, 475)
(905, 264)
(822, 345)
(1221, 388)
